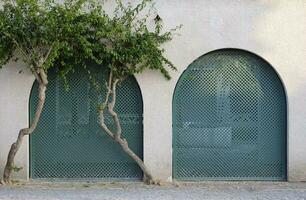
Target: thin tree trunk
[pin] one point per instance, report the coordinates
(116, 136)
(41, 77)
(148, 178)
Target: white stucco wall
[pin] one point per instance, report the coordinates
(273, 29)
(15, 89)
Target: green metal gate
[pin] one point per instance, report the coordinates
(68, 142)
(229, 119)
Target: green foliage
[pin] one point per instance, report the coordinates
(16, 168)
(124, 41)
(130, 45)
(69, 35)
(42, 33)
(77, 33)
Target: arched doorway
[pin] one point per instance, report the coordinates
(68, 142)
(229, 119)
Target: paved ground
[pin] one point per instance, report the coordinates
(118, 191)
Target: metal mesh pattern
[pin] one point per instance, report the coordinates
(229, 119)
(68, 142)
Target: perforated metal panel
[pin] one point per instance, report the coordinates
(68, 142)
(229, 119)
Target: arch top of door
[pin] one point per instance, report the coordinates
(68, 142)
(229, 119)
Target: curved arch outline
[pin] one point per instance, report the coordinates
(29, 120)
(274, 70)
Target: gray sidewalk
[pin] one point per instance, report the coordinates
(116, 191)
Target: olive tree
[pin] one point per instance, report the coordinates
(41, 34)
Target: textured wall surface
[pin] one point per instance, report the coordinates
(272, 29)
(15, 90)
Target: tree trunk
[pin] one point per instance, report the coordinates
(116, 136)
(148, 178)
(41, 78)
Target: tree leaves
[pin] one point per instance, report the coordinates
(45, 34)
(129, 46)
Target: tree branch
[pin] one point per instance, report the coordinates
(111, 106)
(35, 73)
(104, 126)
(108, 87)
(18, 47)
(41, 101)
(111, 90)
(48, 53)
(102, 107)
(43, 76)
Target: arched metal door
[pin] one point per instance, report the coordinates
(68, 142)
(229, 119)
